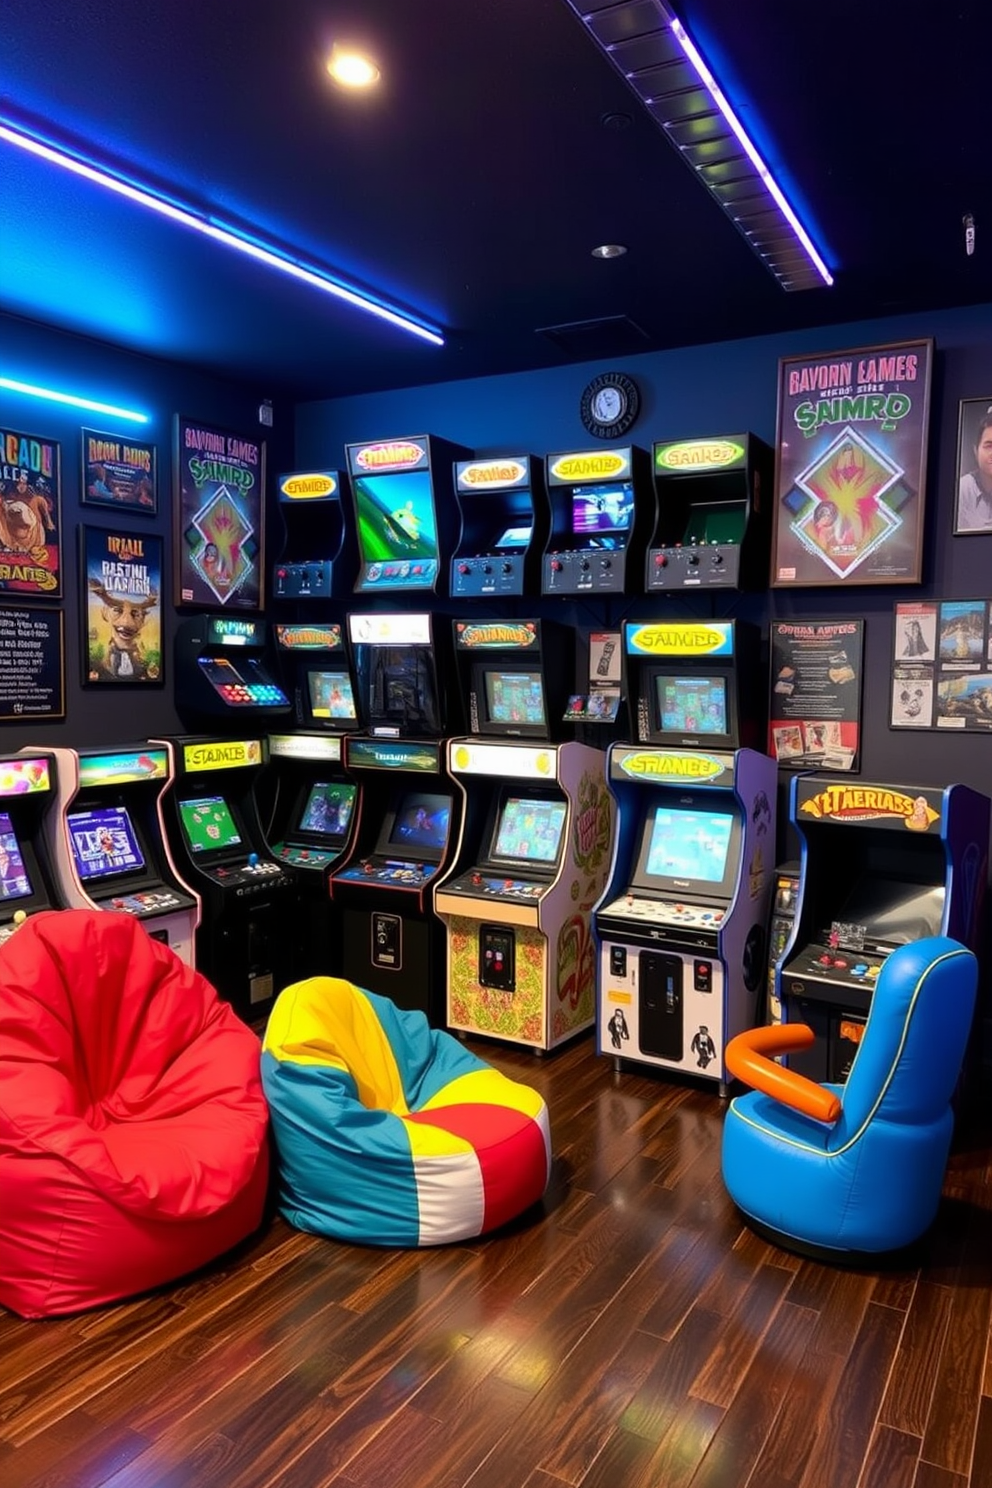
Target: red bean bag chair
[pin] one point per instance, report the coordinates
(133, 1127)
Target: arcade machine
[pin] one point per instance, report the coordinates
(880, 865)
(107, 844)
(535, 845)
(225, 679)
(305, 800)
(600, 522)
(317, 542)
(714, 509)
(28, 794)
(682, 924)
(397, 486)
(505, 519)
(407, 818)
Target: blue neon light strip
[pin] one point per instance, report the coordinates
(210, 228)
(712, 87)
(50, 395)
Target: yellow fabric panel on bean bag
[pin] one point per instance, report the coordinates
(327, 1021)
(486, 1087)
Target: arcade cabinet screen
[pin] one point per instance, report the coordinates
(208, 824)
(14, 881)
(398, 683)
(601, 515)
(421, 821)
(529, 830)
(513, 537)
(331, 695)
(890, 912)
(691, 705)
(395, 516)
(515, 697)
(103, 842)
(688, 844)
(328, 809)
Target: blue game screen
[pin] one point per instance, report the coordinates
(688, 844)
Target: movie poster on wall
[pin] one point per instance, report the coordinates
(815, 712)
(30, 516)
(942, 666)
(850, 476)
(122, 607)
(220, 545)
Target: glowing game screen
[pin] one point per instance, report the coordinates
(331, 695)
(421, 821)
(602, 514)
(328, 809)
(688, 844)
(692, 705)
(395, 516)
(14, 881)
(529, 830)
(514, 537)
(515, 697)
(103, 842)
(208, 824)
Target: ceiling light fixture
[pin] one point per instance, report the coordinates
(50, 395)
(230, 237)
(609, 250)
(352, 69)
(654, 54)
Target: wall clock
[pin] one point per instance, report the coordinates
(609, 405)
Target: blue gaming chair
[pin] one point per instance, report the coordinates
(856, 1169)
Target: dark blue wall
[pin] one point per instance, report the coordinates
(35, 354)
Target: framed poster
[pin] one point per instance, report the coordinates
(815, 712)
(850, 468)
(942, 666)
(32, 664)
(973, 483)
(30, 516)
(121, 586)
(220, 528)
(120, 473)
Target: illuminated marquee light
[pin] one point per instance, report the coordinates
(52, 395)
(187, 216)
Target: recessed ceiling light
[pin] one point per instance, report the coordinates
(352, 69)
(609, 250)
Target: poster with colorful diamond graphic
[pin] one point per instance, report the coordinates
(850, 476)
(220, 545)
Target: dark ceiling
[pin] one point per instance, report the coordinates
(470, 187)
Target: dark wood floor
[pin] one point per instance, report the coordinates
(631, 1334)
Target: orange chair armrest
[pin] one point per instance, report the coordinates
(750, 1058)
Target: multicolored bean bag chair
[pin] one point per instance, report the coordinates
(389, 1132)
(133, 1127)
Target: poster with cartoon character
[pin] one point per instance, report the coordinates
(30, 516)
(122, 604)
(220, 533)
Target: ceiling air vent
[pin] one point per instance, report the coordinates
(591, 340)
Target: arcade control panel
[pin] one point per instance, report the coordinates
(667, 920)
(145, 902)
(481, 885)
(238, 691)
(249, 877)
(820, 970)
(6, 931)
(706, 565)
(390, 872)
(587, 570)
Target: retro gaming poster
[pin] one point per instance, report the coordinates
(119, 472)
(851, 467)
(30, 516)
(121, 584)
(220, 546)
(942, 666)
(816, 687)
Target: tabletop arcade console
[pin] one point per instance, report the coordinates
(225, 672)
(399, 488)
(881, 865)
(713, 515)
(504, 526)
(600, 522)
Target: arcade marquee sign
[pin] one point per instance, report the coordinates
(879, 804)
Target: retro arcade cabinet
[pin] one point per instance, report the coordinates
(407, 818)
(880, 865)
(225, 671)
(318, 545)
(28, 795)
(107, 841)
(600, 522)
(306, 802)
(398, 487)
(505, 519)
(535, 846)
(682, 924)
(714, 504)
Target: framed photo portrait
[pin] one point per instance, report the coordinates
(973, 482)
(119, 473)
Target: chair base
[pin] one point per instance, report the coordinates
(854, 1260)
